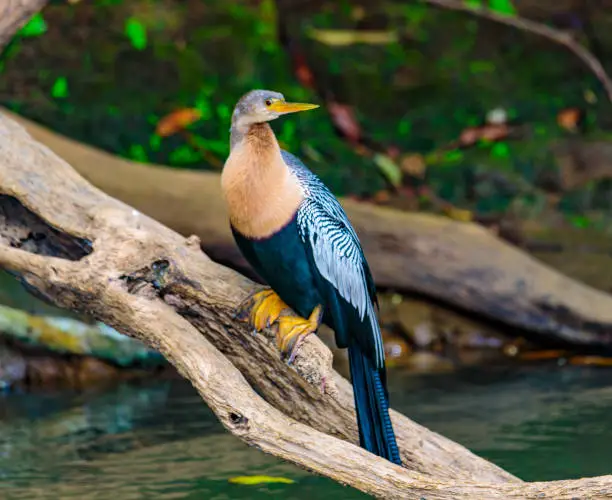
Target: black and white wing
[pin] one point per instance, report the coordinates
(335, 252)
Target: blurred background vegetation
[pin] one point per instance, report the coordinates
(424, 108)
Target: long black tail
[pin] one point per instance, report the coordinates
(371, 402)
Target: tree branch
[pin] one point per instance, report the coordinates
(539, 29)
(123, 268)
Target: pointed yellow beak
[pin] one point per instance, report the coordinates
(290, 107)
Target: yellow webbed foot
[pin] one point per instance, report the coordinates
(293, 330)
(261, 309)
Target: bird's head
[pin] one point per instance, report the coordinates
(258, 106)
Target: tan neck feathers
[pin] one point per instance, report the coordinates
(261, 192)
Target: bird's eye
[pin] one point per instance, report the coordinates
(268, 102)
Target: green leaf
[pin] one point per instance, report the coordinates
(138, 153)
(137, 33)
(60, 88)
(223, 111)
(389, 169)
(155, 142)
(184, 155)
(500, 150)
(580, 221)
(216, 146)
(288, 132)
(474, 4)
(202, 104)
(36, 26)
(253, 480)
(453, 156)
(503, 7)
(405, 126)
(481, 66)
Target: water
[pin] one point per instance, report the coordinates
(158, 440)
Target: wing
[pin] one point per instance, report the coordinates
(336, 253)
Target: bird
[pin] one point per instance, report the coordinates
(295, 234)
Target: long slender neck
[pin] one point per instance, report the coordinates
(261, 192)
(237, 135)
(258, 136)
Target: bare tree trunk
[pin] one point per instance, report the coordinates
(85, 251)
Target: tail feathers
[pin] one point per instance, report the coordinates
(375, 430)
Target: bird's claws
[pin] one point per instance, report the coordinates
(261, 309)
(292, 331)
(264, 308)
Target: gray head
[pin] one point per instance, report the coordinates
(258, 106)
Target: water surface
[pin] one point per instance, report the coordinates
(158, 440)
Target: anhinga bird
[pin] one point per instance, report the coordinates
(296, 235)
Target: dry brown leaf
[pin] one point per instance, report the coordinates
(542, 355)
(176, 121)
(345, 120)
(569, 118)
(590, 361)
(382, 196)
(414, 165)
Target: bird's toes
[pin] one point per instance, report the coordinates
(261, 309)
(292, 331)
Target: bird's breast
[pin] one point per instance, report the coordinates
(261, 192)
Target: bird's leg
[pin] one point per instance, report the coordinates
(261, 309)
(293, 330)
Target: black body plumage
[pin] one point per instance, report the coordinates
(317, 259)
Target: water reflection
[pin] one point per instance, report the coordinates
(158, 440)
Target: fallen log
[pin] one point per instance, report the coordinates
(69, 336)
(458, 263)
(83, 250)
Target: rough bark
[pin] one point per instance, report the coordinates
(85, 251)
(14, 14)
(458, 263)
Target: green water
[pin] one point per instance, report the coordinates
(158, 440)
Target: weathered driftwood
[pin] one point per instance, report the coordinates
(459, 263)
(85, 251)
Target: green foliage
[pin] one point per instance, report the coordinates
(481, 66)
(500, 150)
(60, 88)
(155, 142)
(474, 4)
(454, 156)
(504, 7)
(580, 221)
(137, 152)
(417, 96)
(136, 33)
(36, 26)
(185, 155)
